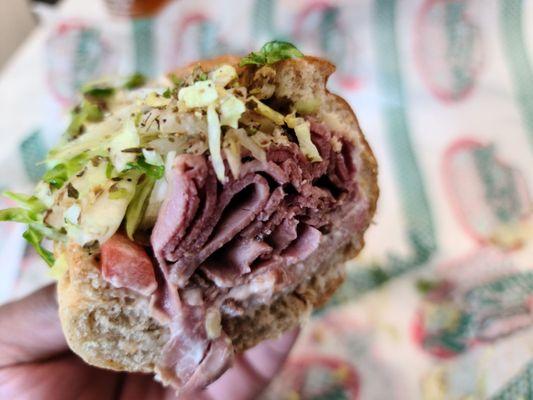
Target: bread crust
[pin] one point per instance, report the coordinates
(81, 290)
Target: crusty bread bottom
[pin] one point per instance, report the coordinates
(112, 328)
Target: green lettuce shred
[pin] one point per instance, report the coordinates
(134, 81)
(87, 111)
(138, 204)
(30, 203)
(58, 175)
(34, 237)
(153, 171)
(97, 91)
(271, 52)
(17, 214)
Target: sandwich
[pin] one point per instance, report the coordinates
(194, 216)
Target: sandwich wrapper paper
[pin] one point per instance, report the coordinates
(439, 305)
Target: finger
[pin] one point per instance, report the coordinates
(143, 386)
(267, 358)
(62, 378)
(30, 328)
(253, 370)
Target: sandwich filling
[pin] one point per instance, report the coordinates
(205, 192)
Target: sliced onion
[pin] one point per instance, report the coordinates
(214, 133)
(268, 112)
(303, 134)
(232, 152)
(152, 157)
(165, 145)
(72, 214)
(249, 144)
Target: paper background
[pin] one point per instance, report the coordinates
(443, 90)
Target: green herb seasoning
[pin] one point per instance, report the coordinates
(271, 52)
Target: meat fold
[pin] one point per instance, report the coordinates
(250, 240)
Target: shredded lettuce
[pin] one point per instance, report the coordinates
(93, 142)
(97, 91)
(152, 157)
(127, 138)
(109, 171)
(134, 81)
(17, 214)
(153, 171)
(58, 175)
(271, 52)
(138, 204)
(156, 100)
(119, 194)
(30, 212)
(176, 80)
(86, 112)
(34, 237)
(31, 203)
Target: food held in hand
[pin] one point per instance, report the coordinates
(195, 216)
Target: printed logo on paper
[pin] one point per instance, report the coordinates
(75, 54)
(478, 299)
(197, 37)
(318, 377)
(489, 196)
(320, 29)
(337, 357)
(448, 47)
(33, 151)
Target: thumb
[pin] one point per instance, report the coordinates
(30, 328)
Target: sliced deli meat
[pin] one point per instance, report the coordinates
(247, 240)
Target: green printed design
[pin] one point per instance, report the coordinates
(506, 294)
(87, 57)
(33, 152)
(420, 232)
(335, 393)
(520, 66)
(143, 38)
(501, 192)
(412, 193)
(332, 42)
(520, 387)
(263, 19)
(461, 45)
(208, 40)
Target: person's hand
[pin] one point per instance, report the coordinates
(35, 362)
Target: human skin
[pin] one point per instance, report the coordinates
(36, 363)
